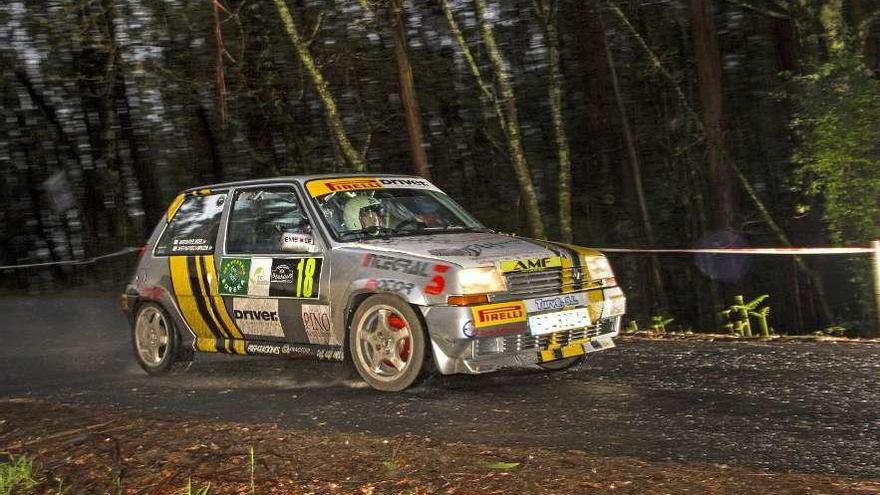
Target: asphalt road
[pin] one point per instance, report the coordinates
(807, 407)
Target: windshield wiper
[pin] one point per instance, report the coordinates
(456, 228)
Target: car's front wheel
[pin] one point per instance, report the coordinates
(157, 345)
(387, 343)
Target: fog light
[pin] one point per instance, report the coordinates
(491, 345)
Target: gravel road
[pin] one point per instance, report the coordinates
(796, 406)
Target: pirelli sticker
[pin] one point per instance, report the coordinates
(531, 264)
(321, 187)
(499, 314)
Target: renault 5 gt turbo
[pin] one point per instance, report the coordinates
(386, 273)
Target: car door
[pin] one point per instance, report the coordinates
(272, 274)
(189, 242)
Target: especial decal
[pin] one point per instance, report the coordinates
(498, 314)
(257, 317)
(317, 323)
(474, 250)
(191, 246)
(321, 352)
(471, 330)
(425, 269)
(298, 278)
(326, 186)
(555, 303)
(531, 265)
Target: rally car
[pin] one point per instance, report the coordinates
(386, 273)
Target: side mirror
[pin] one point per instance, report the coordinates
(298, 243)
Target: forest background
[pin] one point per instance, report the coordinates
(653, 123)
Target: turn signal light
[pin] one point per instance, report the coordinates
(467, 300)
(609, 282)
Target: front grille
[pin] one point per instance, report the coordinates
(545, 282)
(525, 342)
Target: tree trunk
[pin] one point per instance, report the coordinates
(709, 77)
(659, 296)
(512, 130)
(547, 17)
(351, 155)
(407, 90)
(220, 73)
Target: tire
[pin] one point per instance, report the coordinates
(157, 343)
(387, 343)
(562, 364)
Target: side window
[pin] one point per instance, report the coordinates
(260, 218)
(193, 230)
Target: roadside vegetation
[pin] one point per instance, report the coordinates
(71, 450)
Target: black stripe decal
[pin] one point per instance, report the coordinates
(206, 292)
(577, 283)
(200, 300)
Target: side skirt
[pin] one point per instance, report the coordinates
(264, 348)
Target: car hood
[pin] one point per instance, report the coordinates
(474, 248)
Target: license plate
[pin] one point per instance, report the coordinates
(559, 321)
(598, 344)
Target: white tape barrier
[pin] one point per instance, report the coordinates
(789, 251)
(825, 250)
(121, 252)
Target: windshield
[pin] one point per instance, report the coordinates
(354, 215)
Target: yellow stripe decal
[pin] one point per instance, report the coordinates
(596, 300)
(175, 205)
(221, 308)
(185, 299)
(203, 292)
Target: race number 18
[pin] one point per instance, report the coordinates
(305, 281)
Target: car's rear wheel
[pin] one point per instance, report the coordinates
(562, 364)
(387, 343)
(157, 345)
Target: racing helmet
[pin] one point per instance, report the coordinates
(355, 207)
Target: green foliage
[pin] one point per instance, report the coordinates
(739, 314)
(834, 331)
(189, 490)
(502, 466)
(838, 124)
(658, 323)
(17, 476)
(252, 465)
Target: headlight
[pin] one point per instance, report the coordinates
(599, 268)
(481, 280)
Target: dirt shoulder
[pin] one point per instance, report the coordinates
(107, 450)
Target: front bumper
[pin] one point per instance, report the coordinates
(455, 352)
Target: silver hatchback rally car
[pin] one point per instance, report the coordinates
(385, 272)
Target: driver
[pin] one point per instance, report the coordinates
(361, 212)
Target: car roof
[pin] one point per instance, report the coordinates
(292, 178)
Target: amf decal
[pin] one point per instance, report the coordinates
(531, 265)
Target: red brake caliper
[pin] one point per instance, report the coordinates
(398, 323)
